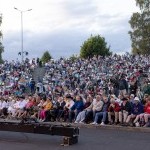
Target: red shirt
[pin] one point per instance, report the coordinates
(147, 109)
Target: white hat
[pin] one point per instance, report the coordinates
(132, 95)
(136, 99)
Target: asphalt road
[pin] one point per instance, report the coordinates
(90, 139)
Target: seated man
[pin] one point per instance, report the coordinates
(103, 112)
(126, 109)
(94, 108)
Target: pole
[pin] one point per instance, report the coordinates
(22, 37)
(22, 50)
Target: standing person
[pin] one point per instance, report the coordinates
(32, 85)
(123, 86)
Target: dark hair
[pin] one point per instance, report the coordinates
(124, 99)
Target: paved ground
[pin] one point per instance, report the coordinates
(90, 138)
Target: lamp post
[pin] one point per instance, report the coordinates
(22, 51)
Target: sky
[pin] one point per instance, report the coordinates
(61, 26)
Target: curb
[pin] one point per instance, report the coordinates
(106, 127)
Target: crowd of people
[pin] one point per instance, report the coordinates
(98, 90)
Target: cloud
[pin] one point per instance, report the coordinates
(62, 26)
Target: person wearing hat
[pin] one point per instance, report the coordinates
(126, 108)
(137, 109)
(68, 106)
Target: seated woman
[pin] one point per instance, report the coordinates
(46, 107)
(29, 107)
(113, 110)
(144, 116)
(81, 116)
(76, 108)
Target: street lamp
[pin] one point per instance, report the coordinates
(22, 51)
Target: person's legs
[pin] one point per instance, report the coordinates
(71, 113)
(136, 119)
(128, 118)
(116, 116)
(120, 116)
(109, 117)
(97, 116)
(82, 116)
(146, 117)
(104, 117)
(125, 115)
(60, 114)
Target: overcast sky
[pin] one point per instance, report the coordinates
(61, 26)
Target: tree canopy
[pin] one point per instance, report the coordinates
(140, 24)
(1, 45)
(46, 57)
(94, 46)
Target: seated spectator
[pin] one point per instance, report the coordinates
(126, 109)
(94, 108)
(28, 109)
(57, 109)
(45, 107)
(76, 108)
(81, 116)
(68, 106)
(137, 109)
(102, 113)
(144, 116)
(113, 110)
(21, 103)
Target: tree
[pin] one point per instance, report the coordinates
(46, 57)
(140, 24)
(73, 58)
(1, 46)
(94, 46)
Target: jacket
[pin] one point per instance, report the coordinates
(96, 105)
(116, 107)
(137, 109)
(78, 105)
(147, 109)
